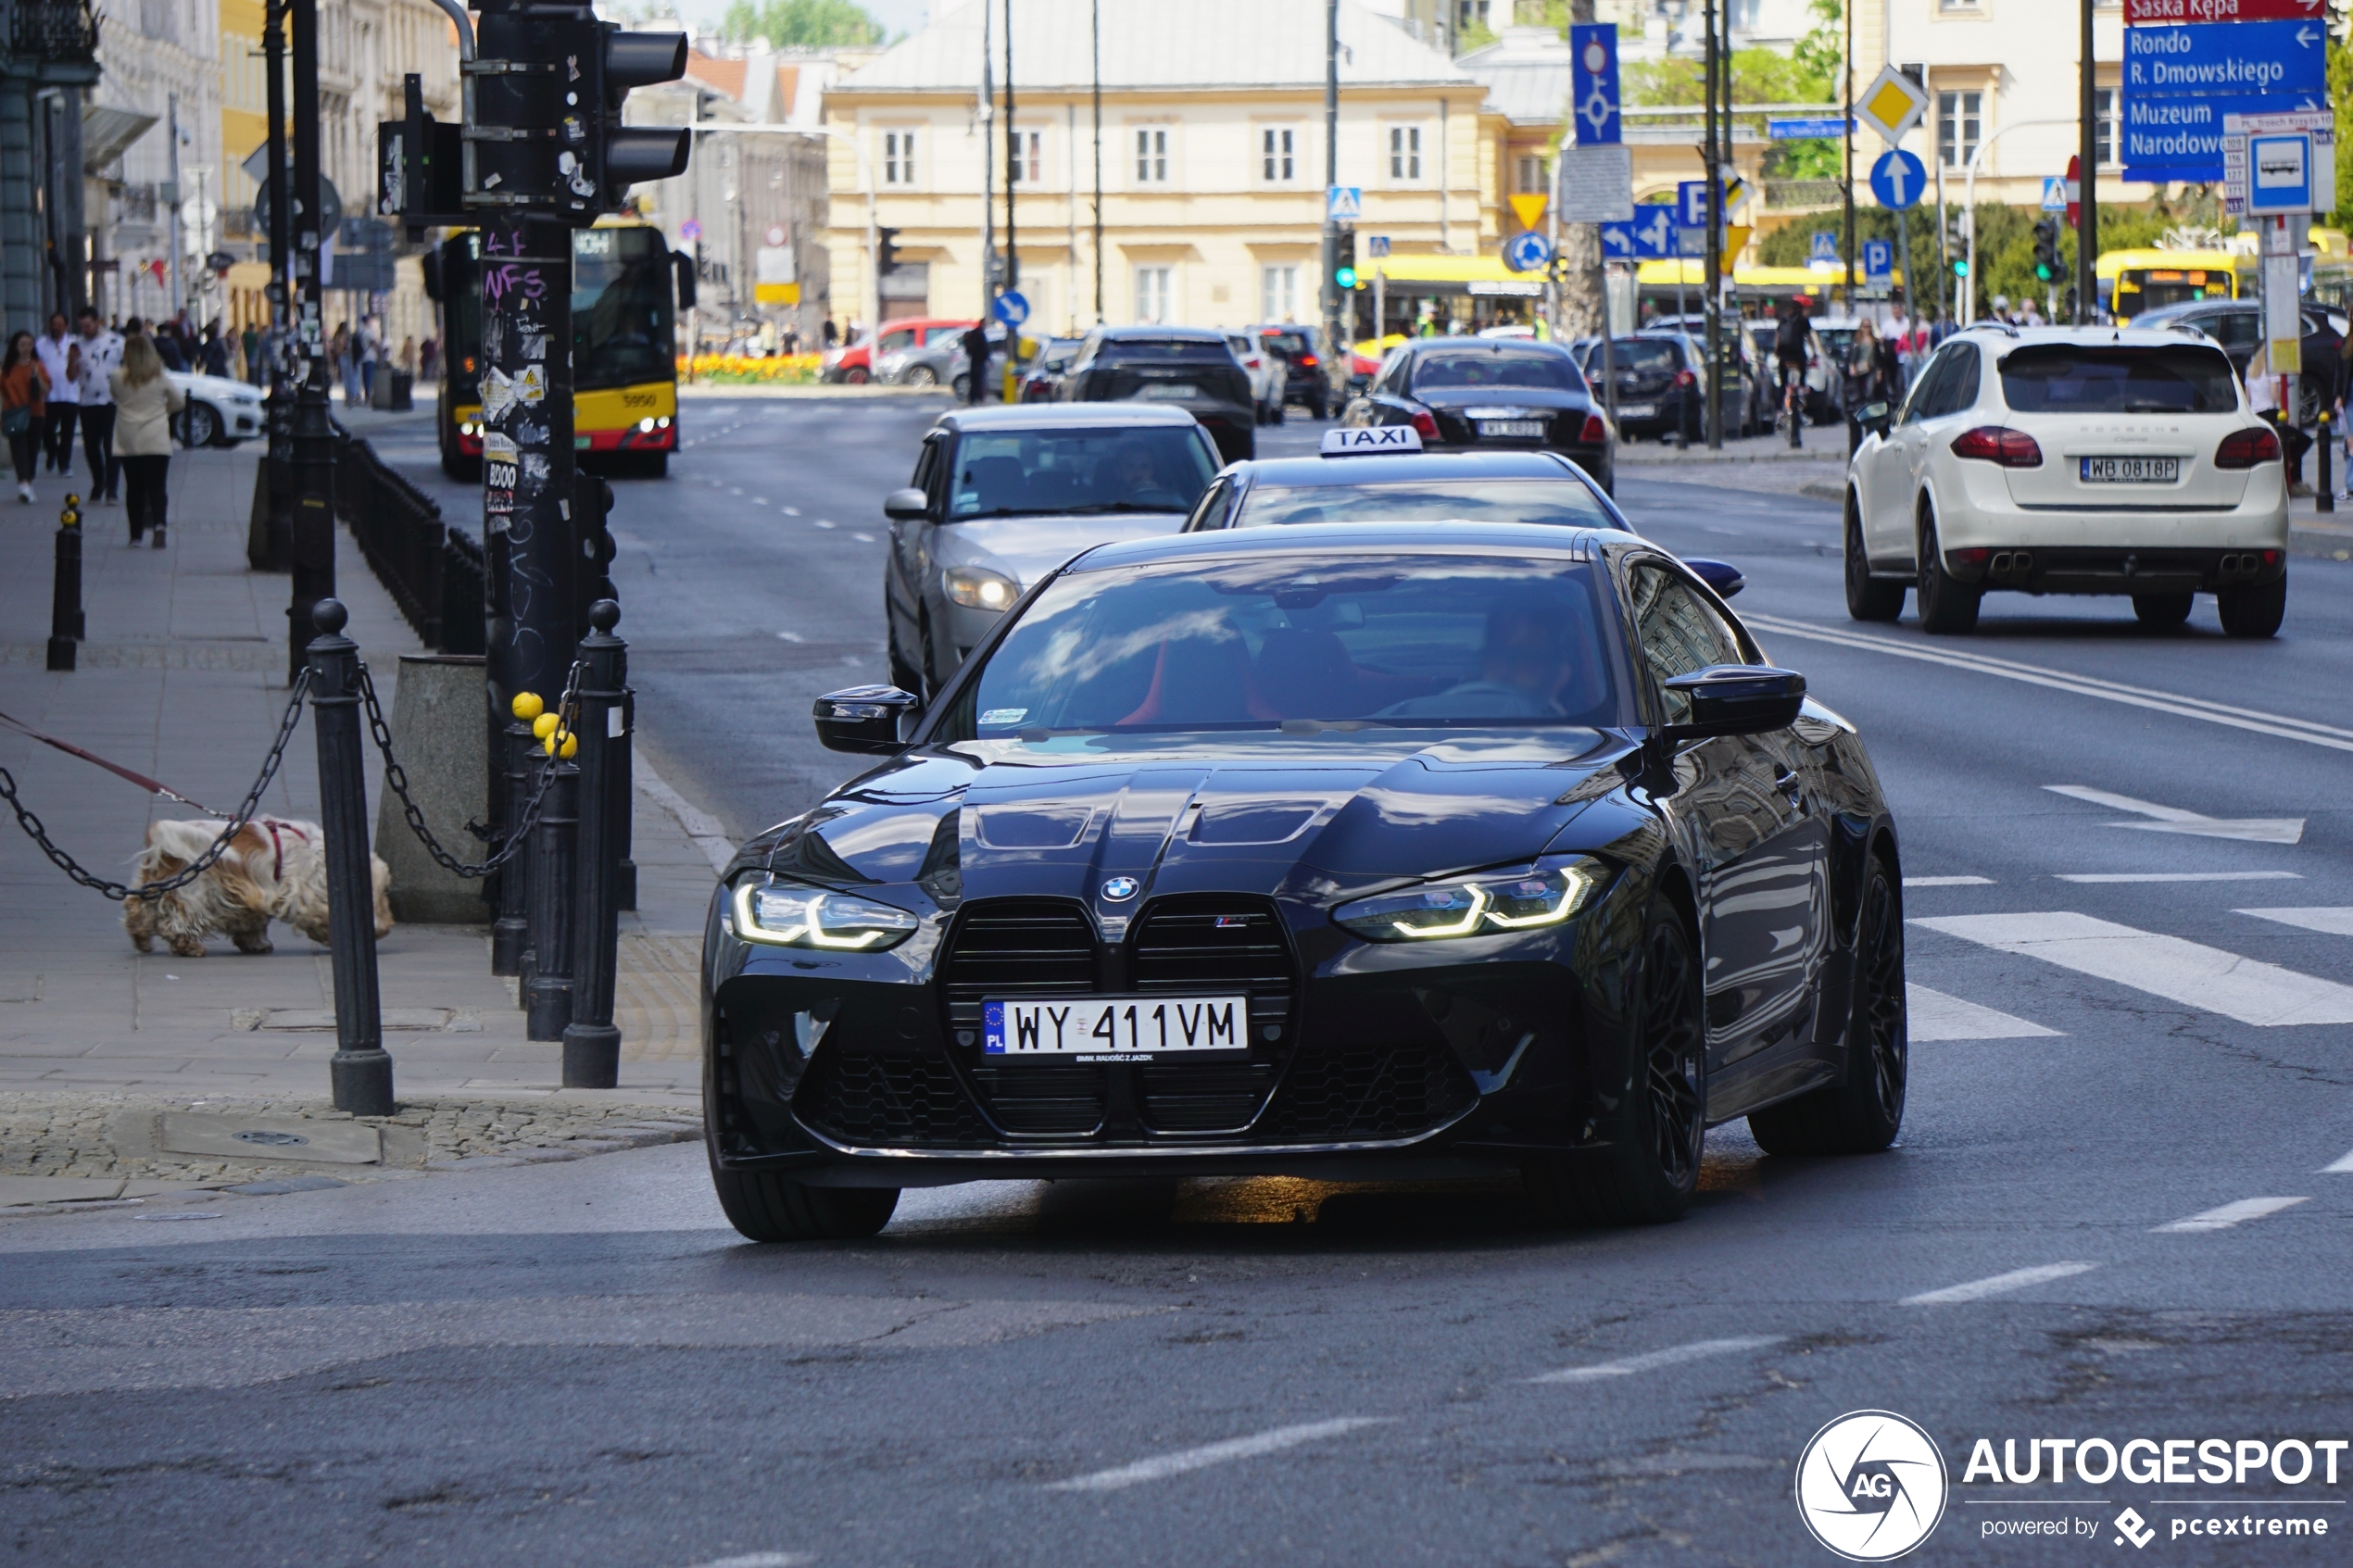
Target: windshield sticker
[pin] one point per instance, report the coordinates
(1005, 716)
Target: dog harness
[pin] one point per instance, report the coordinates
(277, 847)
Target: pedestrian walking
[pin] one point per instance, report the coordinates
(250, 340)
(145, 402)
(97, 354)
(428, 359)
(57, 349)
(214, 354)
(975, 342)
(24, 391)
(370, 346)
(339, 359)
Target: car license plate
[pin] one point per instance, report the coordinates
(1167, 391)
(1637, 410)
(2131, 471)
(1520, 430)
(1086, 1029)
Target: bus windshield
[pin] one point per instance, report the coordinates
(621, 310)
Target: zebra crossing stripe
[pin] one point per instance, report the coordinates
(1932, 1015)
(2332, 923)
(2189, 972)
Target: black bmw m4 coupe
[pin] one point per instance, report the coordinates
(1351, 852)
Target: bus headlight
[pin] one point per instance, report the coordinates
(647, 424)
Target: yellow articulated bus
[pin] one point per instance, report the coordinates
(2134, 282)
(627, 288)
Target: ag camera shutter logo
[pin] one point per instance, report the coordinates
(1871, 1486)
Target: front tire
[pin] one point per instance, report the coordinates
(767, 1206)
(2253, 611)
(919, 375)
(1863, 1111)
(857, 375)
(1868, 597)
(204, 426)
(2162, 609)
(1947, 605)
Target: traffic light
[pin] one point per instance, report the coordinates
(1960, 267)
(886, 252)
(2046, 250)
(617, 157)
(1344, 259)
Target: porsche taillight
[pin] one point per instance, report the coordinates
(2245, 448)
(1998, 444)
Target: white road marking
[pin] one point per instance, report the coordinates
(823, 524)
(1162, 1466)
(762, 1560)
(2180, 876)
(792, 512)
(863, 539)
(2188, 973)
(2182, 707)
(789, 636)
(2342, 1168)
(1997, 1285)
(1651, 1360)
(2173, 819)
(2229, 1214)
(2330, 922)
(1948, 882)
(1932, 1015)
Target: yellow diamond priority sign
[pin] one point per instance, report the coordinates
(1891, 104)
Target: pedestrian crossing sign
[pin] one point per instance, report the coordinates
(1344, 203)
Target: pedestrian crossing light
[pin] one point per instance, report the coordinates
(2046, 250)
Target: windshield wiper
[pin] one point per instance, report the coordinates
(1114, 507)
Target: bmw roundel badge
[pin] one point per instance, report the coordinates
(1119, 889)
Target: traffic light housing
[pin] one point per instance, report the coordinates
(1344, 259)
(597, 83)
(2046, 250)
(1960, 267)
(886, 252)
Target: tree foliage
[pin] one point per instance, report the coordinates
(811, 24)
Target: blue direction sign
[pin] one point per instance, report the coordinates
(1878, 266)
(1823, 248)
(1651, 236)
(1898, 179)
(1528, 251)
(1593, 49)
(2170, 138)
(1011, 308)
(1806, 130)
(2207, 58)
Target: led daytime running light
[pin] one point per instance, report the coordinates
(810, 933)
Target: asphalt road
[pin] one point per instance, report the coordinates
(2133, 1013)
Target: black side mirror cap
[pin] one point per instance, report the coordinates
(1736, 699)
(1722, 576)
(910, 505)
(865, 719)
(1873, 416)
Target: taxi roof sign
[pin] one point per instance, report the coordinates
(1370, 440)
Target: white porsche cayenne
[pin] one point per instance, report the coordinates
(2070, 460)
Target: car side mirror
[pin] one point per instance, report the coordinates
(910, 505)
(865, 719)
(1873, 416)
(1722, 576)
(1736, 699)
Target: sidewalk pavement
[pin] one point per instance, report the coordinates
(182, 678)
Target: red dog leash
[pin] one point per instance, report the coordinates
(151, 786)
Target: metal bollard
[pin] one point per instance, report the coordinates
(547, 980)
(2324, 492)
(65, 598)
(362, 1069)
(511, 932)
(592, 1046)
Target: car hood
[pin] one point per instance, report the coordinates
(214, 386)
(1026, 548)
(1314, 818)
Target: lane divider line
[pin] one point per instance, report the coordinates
(1161, 1466)
(2173, 819)
(2229, 1214)
(2180, 876)
(1948, 882)
(1996, 1285)
(2342, 1168)
(2210, 979)
(1651, 1360)
(2337, 921)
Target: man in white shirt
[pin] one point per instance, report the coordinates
(55, 351)
(101, 353)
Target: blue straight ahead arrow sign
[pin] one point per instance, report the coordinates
(1593, 75)
(1649, 236)
(2211, 58)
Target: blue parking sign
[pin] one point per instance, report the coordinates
(1879, 265)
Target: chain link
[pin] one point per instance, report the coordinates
(397, 780)
(151, 891)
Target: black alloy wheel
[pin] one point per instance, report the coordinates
(765, 1206)
(2253, 611)
(2162, 609)
(1863, 1110)
(1868, 597)
(1649, 1170)
(1947, 604)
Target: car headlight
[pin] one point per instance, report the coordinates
(784, 914)
(977, 588)
(1476, 906)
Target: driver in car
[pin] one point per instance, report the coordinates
(1135, 477)
(1525, 672)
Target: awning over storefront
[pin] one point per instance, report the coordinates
(1485, 276)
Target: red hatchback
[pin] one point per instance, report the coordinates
(855, 364)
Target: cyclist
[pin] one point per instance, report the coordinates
(1791, 344)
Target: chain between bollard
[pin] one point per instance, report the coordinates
(120, 892)
(397, 780)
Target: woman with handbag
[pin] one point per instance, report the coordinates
(24, 400)
(145, 401)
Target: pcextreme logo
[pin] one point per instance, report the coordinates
(1871, 1486)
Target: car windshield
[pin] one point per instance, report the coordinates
(1495, 500)
(1414, 642)
(1645, 355)
(2066, 378)
(1289, 345)
(1496, 368)
(620, 308)
(1159, 468)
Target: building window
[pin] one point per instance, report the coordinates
(899, 158)
(1469, 14)
(1152, 156)
(1276, 161)
(1404, 152)
(1960, 121)
(1153, 292)
(1028, 155)
(1528, 177)
(1279, 294)
(2104, 127)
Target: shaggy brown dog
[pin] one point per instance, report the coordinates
(274, 868)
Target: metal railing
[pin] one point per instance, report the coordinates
(432, 573)
(58, 32)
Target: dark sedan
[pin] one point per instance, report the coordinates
(1175, 367)
(1474, 393)
(2237, 325)
(1349, 853)
(1437, 487)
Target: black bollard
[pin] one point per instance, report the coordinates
(546, 978)
(362, 1069)
(2324, 492)
(65, 598)
(511, 932)
(592, 1046)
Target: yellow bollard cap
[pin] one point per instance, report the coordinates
(570, 742)
(527, 706)
(545, 725)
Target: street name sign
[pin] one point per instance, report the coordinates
(1806, 130)
(2204, 58)
(1593, 75)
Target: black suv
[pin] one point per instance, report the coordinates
(1177, 367)
(1304, 380)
